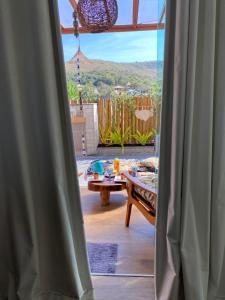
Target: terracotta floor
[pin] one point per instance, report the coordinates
(136, 243)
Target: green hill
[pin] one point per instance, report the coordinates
(101, 78)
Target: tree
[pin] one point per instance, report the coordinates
(156, 94)
(89, 92)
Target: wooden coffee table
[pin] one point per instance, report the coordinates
(105, 187)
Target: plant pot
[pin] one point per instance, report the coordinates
(126, 145)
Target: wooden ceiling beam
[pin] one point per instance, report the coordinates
(120, 28)
(135, 12)
(73, 3)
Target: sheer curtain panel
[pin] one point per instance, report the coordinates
(42, 243)
(190, 254)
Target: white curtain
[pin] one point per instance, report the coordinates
(42, 243)
(190, 250)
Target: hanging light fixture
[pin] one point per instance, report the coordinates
(97, 15)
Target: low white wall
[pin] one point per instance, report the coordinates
(91, 128)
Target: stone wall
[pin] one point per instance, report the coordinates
(90, 128)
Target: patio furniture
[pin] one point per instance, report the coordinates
(105, 187)
(143, 196)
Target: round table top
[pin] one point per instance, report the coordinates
(98, 186)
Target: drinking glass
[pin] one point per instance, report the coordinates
(110, 171)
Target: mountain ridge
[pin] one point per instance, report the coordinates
(103, 76)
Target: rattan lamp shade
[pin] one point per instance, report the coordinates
(97, 15)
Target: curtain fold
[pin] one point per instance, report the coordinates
(190, 240)
(42, 247)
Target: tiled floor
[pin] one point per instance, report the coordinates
(135, 244)
(106, 225)
(120, 288)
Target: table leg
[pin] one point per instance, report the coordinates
(105, 197)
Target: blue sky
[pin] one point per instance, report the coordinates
(118, 47)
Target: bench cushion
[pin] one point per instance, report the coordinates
(150, 181)
(151, 162)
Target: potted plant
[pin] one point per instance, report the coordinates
(120, 138)
(105, 136)
(143, 138)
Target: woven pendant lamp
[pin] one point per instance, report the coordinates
(97, 15)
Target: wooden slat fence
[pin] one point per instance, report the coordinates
(113, 114)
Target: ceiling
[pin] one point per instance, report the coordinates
(133, 15)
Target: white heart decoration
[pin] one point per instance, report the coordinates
(144, 114)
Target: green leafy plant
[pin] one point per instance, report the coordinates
(156, 95)
(72, 91)
(105, 135)
(143, 138)
(89, 92)
(119, 137)
(122, 99)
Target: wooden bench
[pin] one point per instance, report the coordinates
(145, 204)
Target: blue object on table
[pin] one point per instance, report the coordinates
(110, 171)
(134, 171)
(98, 167)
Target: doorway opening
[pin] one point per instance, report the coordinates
(121, 84)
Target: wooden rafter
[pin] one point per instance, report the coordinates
(120, 28)
(135, 11)
(162, 13)
(73, 4)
